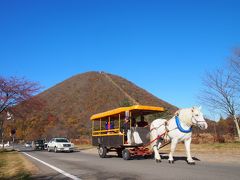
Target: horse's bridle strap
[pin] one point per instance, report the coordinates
(197, 122)
(156, 128)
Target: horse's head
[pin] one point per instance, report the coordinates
(192, 116)
(198, 119)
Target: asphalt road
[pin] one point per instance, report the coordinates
(90, 166)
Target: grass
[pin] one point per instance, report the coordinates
(14, 166)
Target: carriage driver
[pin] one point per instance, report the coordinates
(126, 130)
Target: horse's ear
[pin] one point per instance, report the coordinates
(177, 113)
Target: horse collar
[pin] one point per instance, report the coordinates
(180, 127)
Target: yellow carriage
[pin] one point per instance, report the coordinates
(108, 134)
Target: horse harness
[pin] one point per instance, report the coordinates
(167, 130)
(166, 123)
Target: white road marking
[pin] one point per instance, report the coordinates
(55, 168)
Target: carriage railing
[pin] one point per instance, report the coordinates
(109, 132)
(99, 129)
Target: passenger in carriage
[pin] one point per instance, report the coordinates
(142, 123)
(109, 124)
(126, 125)
(125, 128)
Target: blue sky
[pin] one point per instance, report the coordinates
(164, 47)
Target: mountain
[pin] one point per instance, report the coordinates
(69, 104)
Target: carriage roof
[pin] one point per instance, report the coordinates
(136, 110)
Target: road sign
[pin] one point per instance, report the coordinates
(9, 116)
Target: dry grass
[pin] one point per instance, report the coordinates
(215, 152)
(209, 148)
(13, 165)
(84, 146)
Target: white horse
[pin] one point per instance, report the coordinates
(177, 129)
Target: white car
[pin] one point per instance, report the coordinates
(5, 145)
(28, 144)
(60, 144)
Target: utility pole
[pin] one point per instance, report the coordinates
(13, 130)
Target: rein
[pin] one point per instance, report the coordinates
(158, 137)
(165, 123)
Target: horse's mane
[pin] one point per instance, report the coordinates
(185, 115)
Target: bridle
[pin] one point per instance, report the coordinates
(196, 122)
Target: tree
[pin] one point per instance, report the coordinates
(14, 91)
(235, 66)
(221, 93)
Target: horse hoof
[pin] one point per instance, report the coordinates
(158, 160)
(170, 161)
(191, 163)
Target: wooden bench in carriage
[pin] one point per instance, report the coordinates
(107, 133)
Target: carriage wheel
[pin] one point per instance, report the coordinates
(102, 151)
(126, 154)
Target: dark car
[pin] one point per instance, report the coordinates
(38, 145)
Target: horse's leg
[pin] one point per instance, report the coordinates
(159, 143)
(156, 154)
(154, 146)
(173, 146)
(187, 143)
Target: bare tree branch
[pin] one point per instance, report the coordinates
(235, 66)
(220, 92)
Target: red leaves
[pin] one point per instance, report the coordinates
(15, 90)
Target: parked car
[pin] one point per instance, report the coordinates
(5, 145)
(38, 144)
(60, 144)
(28, 144)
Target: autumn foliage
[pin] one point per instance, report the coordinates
(15, 97)
(65, 109)
(69, 105)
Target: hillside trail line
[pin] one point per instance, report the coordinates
(124, 92)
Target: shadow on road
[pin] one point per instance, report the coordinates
(178, 158)
(163, 156)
